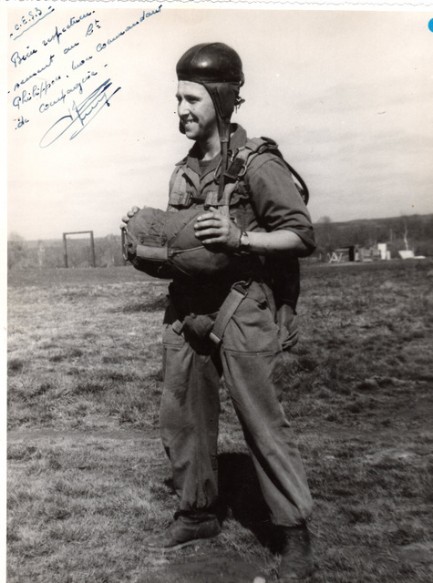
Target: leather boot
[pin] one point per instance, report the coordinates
(296, 554)
(182, 532)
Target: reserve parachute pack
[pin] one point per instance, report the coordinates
(163, 243)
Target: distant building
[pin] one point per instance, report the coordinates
(342, 255)
(377, 252)
(383, 250)
(408, 254)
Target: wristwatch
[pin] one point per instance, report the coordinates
(244, 243)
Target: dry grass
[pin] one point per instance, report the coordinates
(87, 477)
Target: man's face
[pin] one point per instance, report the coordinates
(196, 111)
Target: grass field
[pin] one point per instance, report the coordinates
(87, 476)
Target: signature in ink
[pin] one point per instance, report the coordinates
(81, 115)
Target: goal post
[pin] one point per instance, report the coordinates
(92, 245)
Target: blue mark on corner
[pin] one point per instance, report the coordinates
(430, 25)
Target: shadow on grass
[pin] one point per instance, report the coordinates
(240, 496)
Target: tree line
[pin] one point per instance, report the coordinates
(413, 232)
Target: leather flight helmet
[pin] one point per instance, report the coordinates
(218, 68)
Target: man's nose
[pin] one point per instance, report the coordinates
(183, 108)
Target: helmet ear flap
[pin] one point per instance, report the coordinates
(225, 97)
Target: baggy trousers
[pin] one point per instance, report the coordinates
(247, 356)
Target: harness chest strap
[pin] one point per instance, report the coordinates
(237, 168)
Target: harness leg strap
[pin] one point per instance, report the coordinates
(225, 313)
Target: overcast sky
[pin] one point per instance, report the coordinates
(347, 96)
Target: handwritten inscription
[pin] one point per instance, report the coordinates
(92, 26)
(143, 17)
(58, 60)
(59, 32)
(37, 91)
(35, 73)
(17, 58)
(80, 63)
(20, 122)
(78, 87)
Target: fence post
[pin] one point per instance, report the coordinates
(92, 245)
(65, 250)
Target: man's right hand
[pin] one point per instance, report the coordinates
(130, 214)
(129, 244)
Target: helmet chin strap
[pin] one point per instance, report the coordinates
(224, 133)
(224, 97)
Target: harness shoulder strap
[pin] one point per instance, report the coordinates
(243, 156)
(239, 164)
(253, 147)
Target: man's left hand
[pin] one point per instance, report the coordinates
(213, 228)
(129, 215)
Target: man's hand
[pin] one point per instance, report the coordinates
(213, 228)
(129, 245)
(130, 214)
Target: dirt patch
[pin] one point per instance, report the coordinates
(54, 435)
(421, 553)
(389, 454)
(205, 565)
